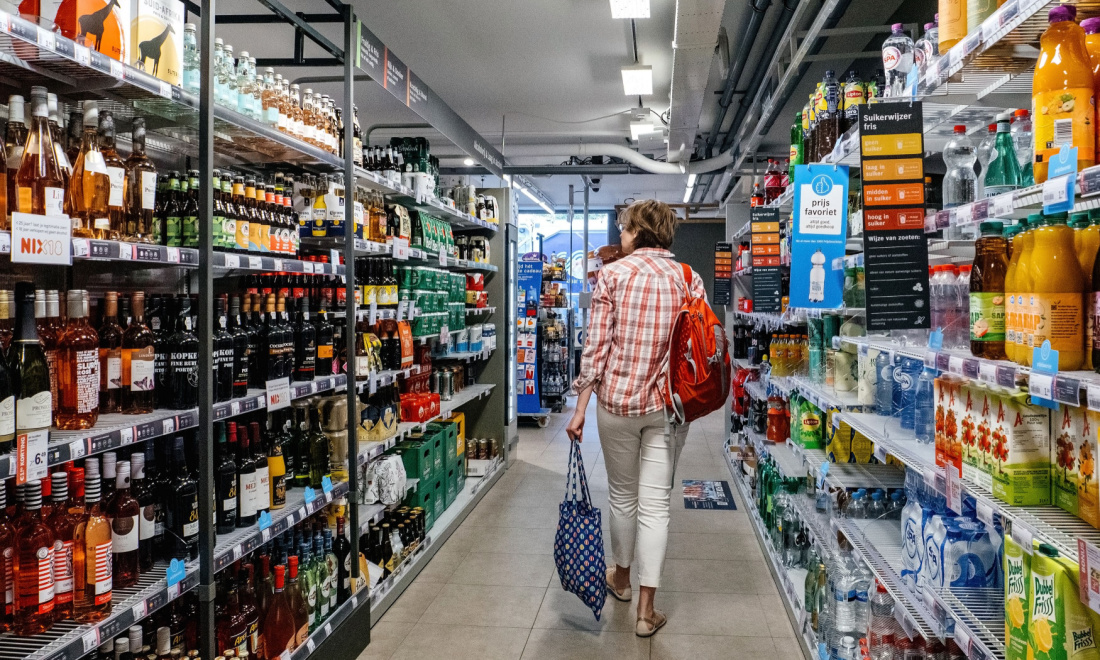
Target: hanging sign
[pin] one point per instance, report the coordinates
(894, 247)
(767, 280)
(819, 233)
(723, 274)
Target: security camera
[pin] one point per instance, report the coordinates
(595, 184)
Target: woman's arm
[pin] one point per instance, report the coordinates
(597, 347)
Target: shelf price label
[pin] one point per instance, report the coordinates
(954, 490)
(401, 249)
(32, 456)
(278, 393)
(1088, 557)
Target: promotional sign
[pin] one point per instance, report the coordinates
(723, 272)
(529, 286)
(820, 231)
(895, 252)
(767, 281)
(41, 239)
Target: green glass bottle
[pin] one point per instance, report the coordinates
(318, 450)
(797, 151)
(324, 582)
(307, 582)
(1003, 172)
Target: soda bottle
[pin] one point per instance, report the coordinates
(797, 152)
(855, 95)
(897, 60)
(960, 181)
(985, 154)
(1022, 139)
(773, 181)
(828, 114)
(757, 198)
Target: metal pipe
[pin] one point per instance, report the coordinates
(587, 150)
(292, 18)
(747, 40)
(292, 61)
(207, 590)
(327, 79)
(569, 269)
(249, 19)
(349, 284)
(584, 279)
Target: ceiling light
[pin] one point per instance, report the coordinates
(691, 180)
(629, 8)
(469, 162)
(687, 193)
(638, 80)
(639, 128)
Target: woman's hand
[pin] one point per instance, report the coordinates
(575, 427)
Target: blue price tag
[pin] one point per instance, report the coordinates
(310, 495)
(1044, 367)
(176, 571)
(1061, 183)
(326, 485)
(265, 520)
(822, 472)
(935, 339)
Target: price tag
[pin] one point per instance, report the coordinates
(173, 254)
(234, 407)
(442, 257)
(402, 309)
(880, 453)
(987, 372)
(964, 214)
(165, 90)
(401, 249)
(328, 628)
(77, 449)
(232, 261)
(1055, 191)
(444, 335)
(955, 365)
(82, 55)
(1041, 385)
(80, 248)
(372, 384)
(285, 655)
(125, 252)
(175, 573)
(90, 640)
(138, 611)
(168, 426)
(310, 646)
(256, 263)
(265, 534)
(954, 489)
(930, 478)
(278, 394)
(1092, 392)
(1001, 206)
(1022, 536)
(46, 39)
(41, 239)
(985, 513)
(236, 553)
(1088, 557)
(32, 456)
(307, 267)
(309, 494)
(117, 70)
(326, 485)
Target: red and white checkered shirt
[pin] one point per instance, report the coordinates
(633, 306)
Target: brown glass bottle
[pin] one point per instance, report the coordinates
(40, 181)
(15, 140)
(987, 293)
(138, 361)
(7, 564)
(116, 174)
(140, 193)
(110, 357)
(34, 586)
(90, 185)
(124, 511)
(92, 589)
(48, 325)
(63, 522)
(78, 369)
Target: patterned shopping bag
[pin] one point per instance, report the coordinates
(578, 544)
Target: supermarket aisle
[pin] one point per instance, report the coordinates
(492, 590)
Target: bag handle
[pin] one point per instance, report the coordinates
(577, 477)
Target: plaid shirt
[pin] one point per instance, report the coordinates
(626, 351)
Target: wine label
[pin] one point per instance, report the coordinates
(248, 494)
(241, 235)
(147, 522)
(118, 184)
(46, 586)
(34, 412)
(94, 163)
(63, 571)
(103, 574)
(148, 190)
(87, 380)
(7, 417)
(53, 201)
(124, 534)
(111, 366)
(142, 369)
(263, 493)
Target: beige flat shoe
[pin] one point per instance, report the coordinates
(649, 627)
(624, 595)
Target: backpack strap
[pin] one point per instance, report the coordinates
(687, 280)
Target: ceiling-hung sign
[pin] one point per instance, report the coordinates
(818, 236)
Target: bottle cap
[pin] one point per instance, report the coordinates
(991, 227)
(1062, 13)
(1091, 25)
(960, 129)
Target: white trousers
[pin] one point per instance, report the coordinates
(640, 459)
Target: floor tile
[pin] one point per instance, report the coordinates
(486, 606)
(682, 545)
(385, 637)
(413, 602)
(713, 614)
(510, 570)
(563, 610)
(715, 576)
(514, 540)
(462, 642)
(545, 644)
(667, 646)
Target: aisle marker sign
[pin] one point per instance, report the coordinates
(895, 250)
(766, 279)
(819, 235)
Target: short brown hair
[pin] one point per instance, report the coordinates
(653, 223)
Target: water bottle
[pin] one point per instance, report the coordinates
(936, 299)
(843, 597)
(848, 649)
(856, 508)
(897, 503)
(876, 508)
(792, 549)
(960, 183)
(961, 338)
(897, 60)
(924, 422)
(191, 76)
(884, 388)
(906, 377)
(1022, 138)
(882, 628)
(862, 582)
(985, 154)
(927, 48)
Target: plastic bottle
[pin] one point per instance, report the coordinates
(884, 387)
(897, 60)
(896, 504)
(1023, 285)
(883, 628)
(985, 154)
(797, 152)
(1063, 93)
(987, 293)
(907, 376)
(855, 95)
(924, 421)
(1002, 173)
(1091, 26)
(1023, 138)
(1058, 287)
(952, 22)
(857, 508)
(960, 182)
(961, 336)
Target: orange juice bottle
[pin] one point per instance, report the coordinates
(952, 23)
(1012, 233)
(1063, 94)
(1058, 292)
(1025, 244)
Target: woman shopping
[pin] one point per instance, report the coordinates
(625, 355)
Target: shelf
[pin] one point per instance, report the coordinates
(384, 378)
(853, 475)
(790, 463)
(256, 399)
(744, 363)
(822, 397)
(228, 261)
(86, 250)
(370, 514)
(337, 617)
(468, 356)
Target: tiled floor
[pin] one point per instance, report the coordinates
(492, 590)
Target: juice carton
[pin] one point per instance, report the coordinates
(960, 399)
(1021, 447)
(1017, 566)
(1065, 462)
(156, 38)
(838, 441)
(942, 388)
(1088, 500)
(1061, 627)
(983, 442)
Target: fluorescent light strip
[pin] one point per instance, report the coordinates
(638, 80)
(629, 8)
(687, 193)
(544, 205)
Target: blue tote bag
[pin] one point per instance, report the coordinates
(578, 544)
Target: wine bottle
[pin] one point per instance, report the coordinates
(182, 519)
(241, 355)
(33, 571)
(138, 361)
(305, 343)
(78, 368)
(223, 353)
(142, 491)
(40, 181)
(90, 185)
(280, 627)
(225, 483)
(183, 360)
(140, 196)
(116, 174)
(124, 513)
(30, 375)
(249, 481)
(7, 564)
(341, 548)
(92, 589)
(263, 474)
(63, 523)
(110, 357)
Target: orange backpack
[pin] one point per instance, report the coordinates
(698, 378)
